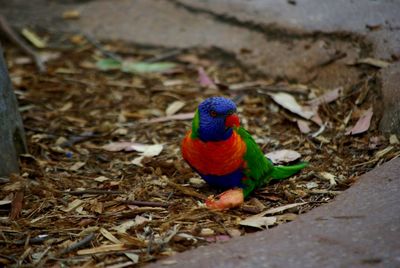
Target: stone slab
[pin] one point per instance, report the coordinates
(361, 228)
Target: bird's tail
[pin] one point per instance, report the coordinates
(282, 172)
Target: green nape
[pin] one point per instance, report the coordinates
(195, 125)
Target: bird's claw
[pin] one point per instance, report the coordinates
(228, 199)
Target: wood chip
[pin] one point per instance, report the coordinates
(103, 249)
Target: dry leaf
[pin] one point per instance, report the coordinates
(101, 179)
(33, 38)
(282, 208)
(73, 205)
(204, 79)
(393, 139)
(109, 236)
(71, 15)
(258, 221)
(77, 166)
(362, 124)
(174, 107)
(183, 116)
(381, 153)
(374, 62)
(283, 156)
(103, 249)
(5, 202)
(303, 126)
(145, 149)
(328, 176)
(288, 102)
(16, 205)
(328, 97)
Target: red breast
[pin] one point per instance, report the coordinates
(216, 158)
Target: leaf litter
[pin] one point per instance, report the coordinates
(105, 183)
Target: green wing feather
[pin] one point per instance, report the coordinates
(260, 170)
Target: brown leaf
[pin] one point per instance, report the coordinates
(204, 79)
(362, 124)
(328, 97)
(16, 205)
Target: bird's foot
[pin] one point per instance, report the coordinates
(228, 199)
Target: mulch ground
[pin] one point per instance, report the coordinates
(76, 203)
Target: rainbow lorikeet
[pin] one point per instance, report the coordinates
(226, 156)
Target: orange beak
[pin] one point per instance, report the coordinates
(232, 121)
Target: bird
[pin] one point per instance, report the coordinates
(226, 156)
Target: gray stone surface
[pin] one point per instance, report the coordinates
(391, 98)
(12, 139)
(274, 37)
(361, 228)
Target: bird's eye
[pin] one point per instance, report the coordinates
(230, 112)
(213, 114)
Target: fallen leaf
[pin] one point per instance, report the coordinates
(328, 97)
(137, 161)
(109, 236)
(16, 205)
(5, 202)
(283, 156)
(183, 116)
(174, 107)
(206, 232)
(46, 56)
(258, 221)
(282, 208)
(108, 64)
(286, 217)
(33, 38)
(77, 166)
(234, 232)
(144, 149)
(288, 102)
(362, 124)
(311, 185)
(146, 67)
(103, 249)
(393, 139)
(374, 62)
(381, 153)
(204, 79)
(73, 205)
(328, 176)
(71, 15)
(303, 126)
(117, 146)
(123, 227)
(101, 179)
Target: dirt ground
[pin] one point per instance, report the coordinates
(81, 201)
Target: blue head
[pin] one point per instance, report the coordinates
(216, 119)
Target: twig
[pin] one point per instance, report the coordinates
(145, 203)
(5, 26)
(4, 180)
(93, 191)
(166, 55)
(186, 191)
(78, 244)
(100, 47)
